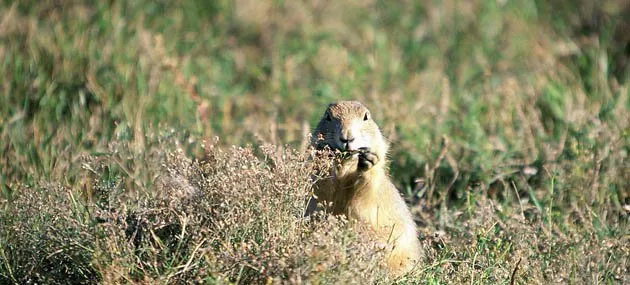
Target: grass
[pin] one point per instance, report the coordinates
(509, 123)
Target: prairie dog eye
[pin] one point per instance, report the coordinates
(366, 116)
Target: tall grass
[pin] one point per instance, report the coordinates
(509, 123)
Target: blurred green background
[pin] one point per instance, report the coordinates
(509, 83)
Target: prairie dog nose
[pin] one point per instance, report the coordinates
(347, 140)
(351, 137)
(346, 143)
(347, 135)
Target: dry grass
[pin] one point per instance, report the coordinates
(237, 217)
(229, 218)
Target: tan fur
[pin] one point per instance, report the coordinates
(359, 187)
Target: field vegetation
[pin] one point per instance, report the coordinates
(165, 141)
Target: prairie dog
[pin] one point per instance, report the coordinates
(359, 186)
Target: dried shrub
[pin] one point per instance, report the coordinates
(45, 238)
(233, 217)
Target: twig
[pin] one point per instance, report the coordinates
(433, 170)
(513, 277)
(186, 266)
(519, 200)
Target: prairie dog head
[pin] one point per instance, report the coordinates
(348, 126)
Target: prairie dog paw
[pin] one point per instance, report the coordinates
(367, 159)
